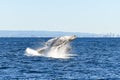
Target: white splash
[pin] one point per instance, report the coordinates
(55, 48)
(32, 52)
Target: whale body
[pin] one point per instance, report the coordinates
(53, 47)
(57, 43)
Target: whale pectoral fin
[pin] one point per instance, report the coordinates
(42, 50)
(61, 45)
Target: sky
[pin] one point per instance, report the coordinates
(89, 16)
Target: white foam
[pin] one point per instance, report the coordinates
(59, 53)
(31, 52)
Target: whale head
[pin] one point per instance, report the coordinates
(72, 37)
(68, 38)
(59, 40)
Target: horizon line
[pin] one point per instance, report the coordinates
(62, 31)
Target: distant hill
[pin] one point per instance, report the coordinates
(45, 34)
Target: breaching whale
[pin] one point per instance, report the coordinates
(56, 45)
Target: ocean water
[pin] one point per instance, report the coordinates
(97, 59)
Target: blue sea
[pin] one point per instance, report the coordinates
(97, 59)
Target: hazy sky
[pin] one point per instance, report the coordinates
(94, 16)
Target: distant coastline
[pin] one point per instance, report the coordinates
(51, 34)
